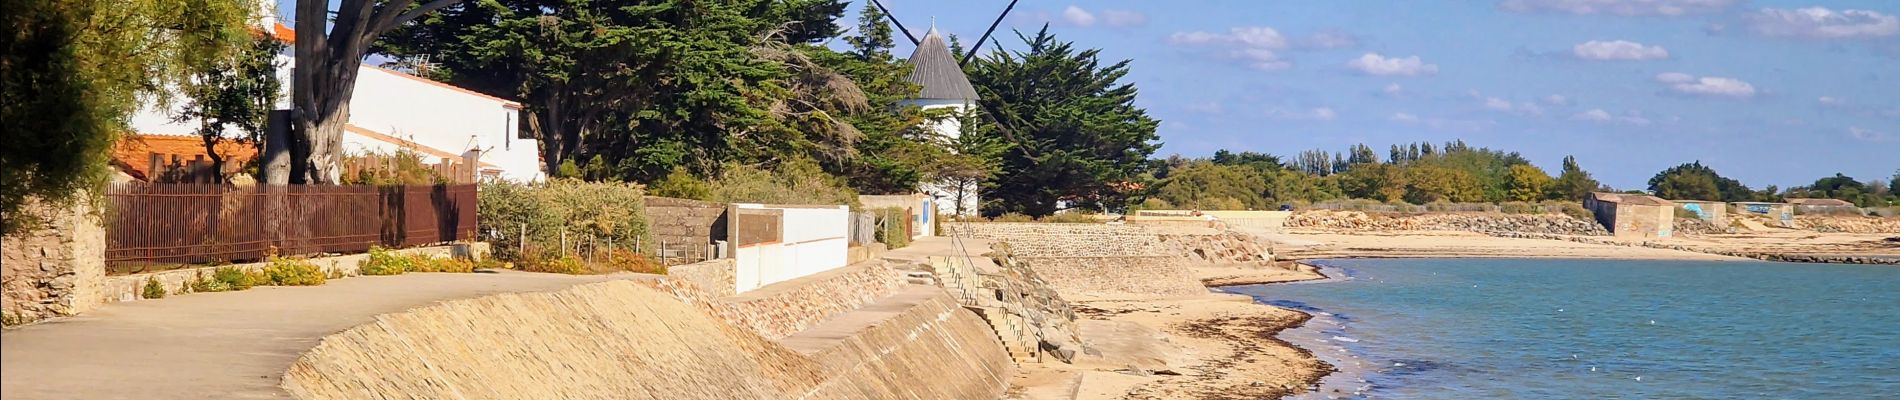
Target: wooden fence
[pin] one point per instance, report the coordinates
(155, 225)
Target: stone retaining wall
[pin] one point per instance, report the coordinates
(1355, 221)
(178, 281)
(55, 269)
(716, 277)
(784, 308)
(624, 339)
(1120, 275)
(1033, 239)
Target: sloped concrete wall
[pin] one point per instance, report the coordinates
(626, 339)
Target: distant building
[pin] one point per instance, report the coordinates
(1781, 213)
(920, 207)
(1713, 211)
(1824, 206)
(943, 87)
(1633, 215)
(390, 111)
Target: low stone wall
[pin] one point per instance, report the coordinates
(1470, 222)
(1065, 240)
(624, 339)
(1120, 275)
(178, 281)
(687, 227)
(55, 269)
(1033, 239)
(716, 277)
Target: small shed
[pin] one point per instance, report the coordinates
(1781, 213)
(1633, 215)
(1713, 211)
(922, 209)
(1824, 206)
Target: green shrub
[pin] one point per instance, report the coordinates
(153, 290)
(384, 262)
(796, 182)
(238, 279)
(420, 263)
(599, 211)
(1153, 203)
(292, 272)
(1576, 210)
(565, 264)
(891, 227)
(1518, 207)
(681, 184)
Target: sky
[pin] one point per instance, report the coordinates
(1766, 92)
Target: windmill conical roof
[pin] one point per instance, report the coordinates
(937, 71)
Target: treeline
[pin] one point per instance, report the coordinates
(693, 97)
(1420, 173)
(1416, 173)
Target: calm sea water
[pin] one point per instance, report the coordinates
(1535, 329)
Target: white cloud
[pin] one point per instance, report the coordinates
(1196, 37)
(1262, 59)
(1866, 134)
(1314, 114)
(1375, 64)
(1618, 7)
(1393, 89)
(1832, 101)
(1618, 50)
(1822, 23)
(1600, 116)
(1078, 16)
(1557, 100)
(1706, 85)
(1674, 77)
(1123, 18)
(1497, 104)
(1329, 40)
(1260, 47)
(1443, 124)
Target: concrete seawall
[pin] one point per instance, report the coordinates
(626, 339)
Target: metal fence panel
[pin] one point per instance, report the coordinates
(158, 224)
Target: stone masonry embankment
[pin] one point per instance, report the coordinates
(1487, 223)
(625, 339)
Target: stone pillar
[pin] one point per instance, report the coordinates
(54, 269)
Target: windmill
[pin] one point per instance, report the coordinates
(944, 85)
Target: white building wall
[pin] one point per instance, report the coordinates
(391, 103)
(814, 240)
(951, 128)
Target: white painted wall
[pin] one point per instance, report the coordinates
(814, 240)
(428, 113)
(944, 192)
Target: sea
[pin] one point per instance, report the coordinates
(1598, 329)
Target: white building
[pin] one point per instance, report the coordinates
(393, 110)
(944, 86)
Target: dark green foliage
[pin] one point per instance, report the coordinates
(1694, 181)
(1573, 182)
(232, 100)
(74, 71)
(1073, 129)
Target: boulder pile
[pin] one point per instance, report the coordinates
(1488, 223)
(1697, 226)
(1822, 223)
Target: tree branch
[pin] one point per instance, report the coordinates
(411, 15)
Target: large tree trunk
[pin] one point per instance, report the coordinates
(328, 53)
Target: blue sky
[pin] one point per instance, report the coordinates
(1767, 92)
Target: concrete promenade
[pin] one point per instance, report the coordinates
(233, 345)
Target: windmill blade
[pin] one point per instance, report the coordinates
(986, 34)
(900, 25)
